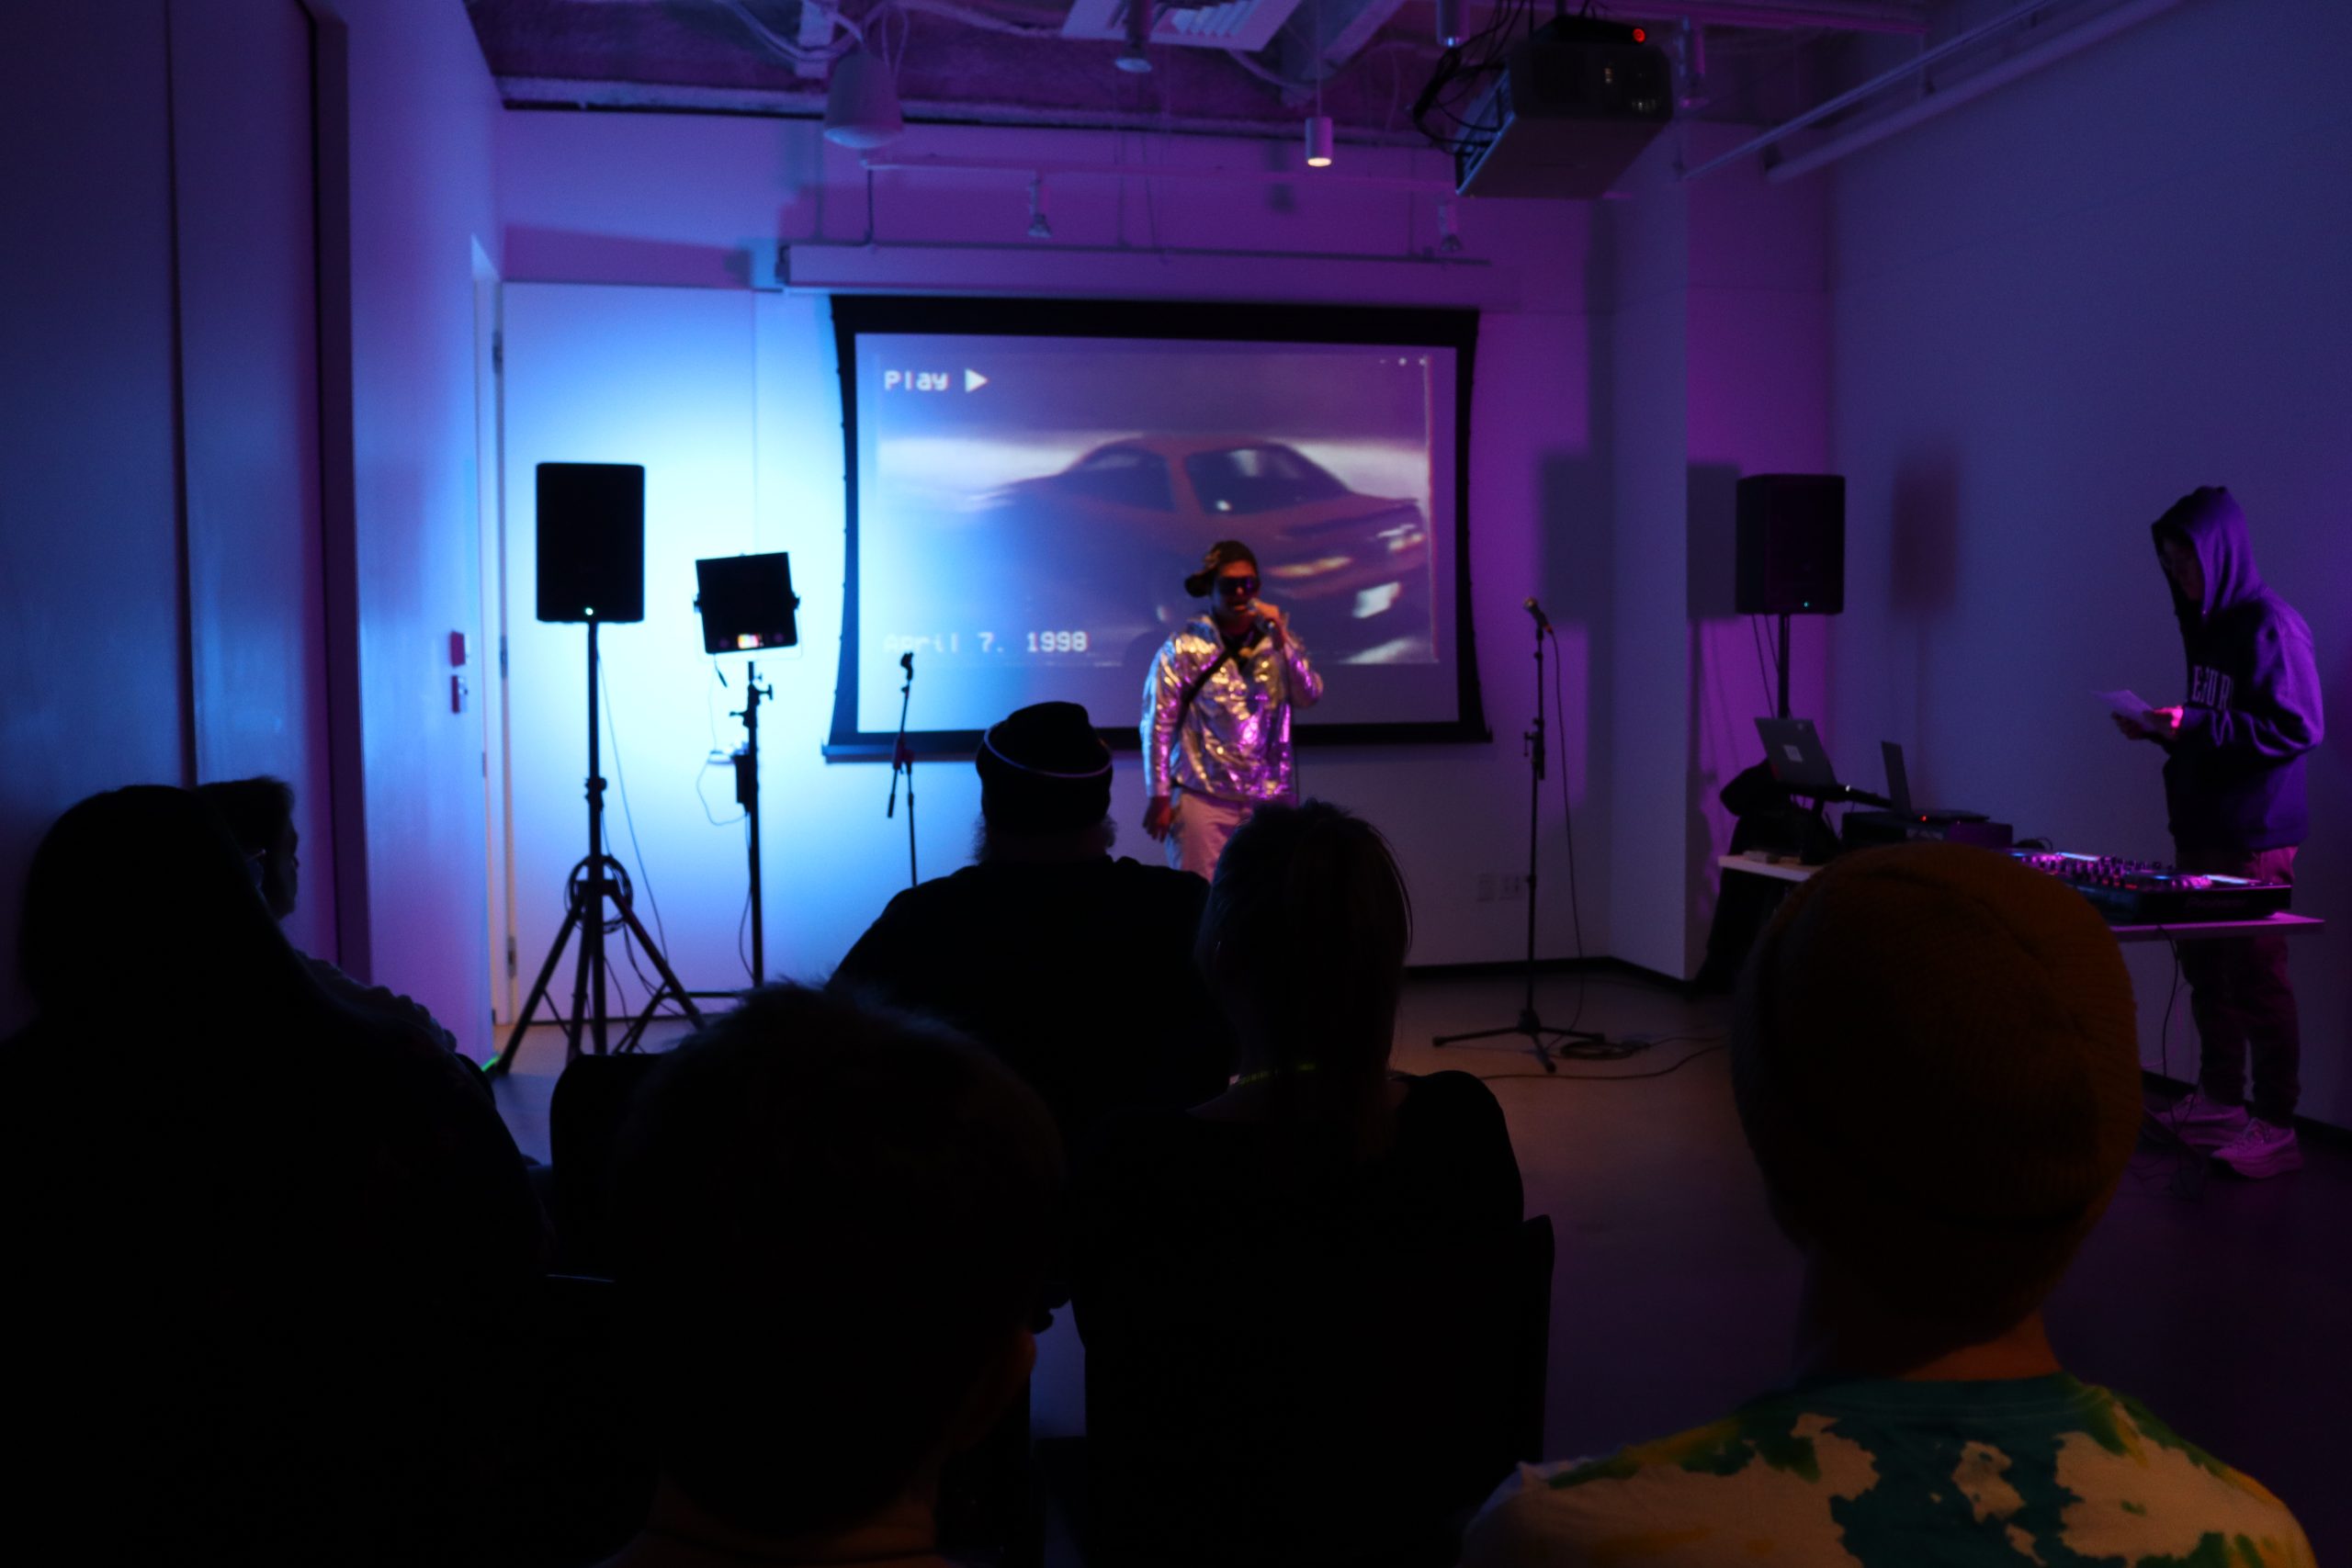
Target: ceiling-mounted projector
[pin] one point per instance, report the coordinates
(1568, 111)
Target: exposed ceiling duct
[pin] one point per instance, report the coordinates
(1226, 67)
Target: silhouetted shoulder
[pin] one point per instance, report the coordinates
(1452, 1093)
(1161, 884)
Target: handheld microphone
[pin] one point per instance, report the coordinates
(1543, 623)
(906, 660)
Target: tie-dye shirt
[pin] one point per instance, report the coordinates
(1887, 1474)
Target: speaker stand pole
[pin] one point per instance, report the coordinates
(1783, 708)
(747, 794)
(1530, 1023)
(596, 879)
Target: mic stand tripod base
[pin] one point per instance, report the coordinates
(1534, 1028)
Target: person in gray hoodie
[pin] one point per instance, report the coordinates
(2233, 789)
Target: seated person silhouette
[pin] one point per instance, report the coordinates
(835, 1222)
(259, 813)
(1936, 1067)
(1074, 967)
(1291, 1350)
(270, 1250)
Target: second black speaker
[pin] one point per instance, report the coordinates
(1792, 549)
(591, 541)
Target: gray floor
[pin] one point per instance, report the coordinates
(2227, 1306)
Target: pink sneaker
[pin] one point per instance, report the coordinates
(2203, 1124)
(2264, 1148)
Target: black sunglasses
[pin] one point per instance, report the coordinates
(1237, 585)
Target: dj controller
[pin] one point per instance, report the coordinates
(2145, 893)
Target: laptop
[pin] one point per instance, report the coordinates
(1898, 790)
(1792, 749)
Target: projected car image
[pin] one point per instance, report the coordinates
(1133, 516)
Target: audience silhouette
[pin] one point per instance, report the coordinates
(259, 813)
(1936, 1067)
(1074, 967)
(264, 1242)
(835, 1222)
(1279, 1289)
(276, 1259)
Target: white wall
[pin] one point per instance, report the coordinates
(687, 201)
(93, 668)
(247, 255)
(2053, 312)
(1718, 368)
(418, 184)
(1649, 655)
(1758, 404)
(159, 612)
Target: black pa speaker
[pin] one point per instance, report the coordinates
(1792, 545)
(591, 542)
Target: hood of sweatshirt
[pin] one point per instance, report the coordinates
(2209, 519)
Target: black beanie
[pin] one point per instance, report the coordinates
(1043, 770)
(1222, 554)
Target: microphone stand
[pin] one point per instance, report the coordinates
(903, 760)
(1530, 1023)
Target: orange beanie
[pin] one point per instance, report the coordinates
(1936, 1065)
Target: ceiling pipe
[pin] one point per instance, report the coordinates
(1905, 17)
(558, 94)
(1875, 85)
(1042, 171)
(2023, 63)
(1845, 15)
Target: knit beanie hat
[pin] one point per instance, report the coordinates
(1043, 770)
(1936, 1065)
(1222, 554)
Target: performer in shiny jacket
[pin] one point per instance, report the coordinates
(1216, 713)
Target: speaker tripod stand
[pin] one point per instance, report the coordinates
(596, 880)
(1530, 1023)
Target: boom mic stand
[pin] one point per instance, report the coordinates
(597, 878)
(747, 796)
(1530, 1023)
(903, 761)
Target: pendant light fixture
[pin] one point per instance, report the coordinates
(1318, 125)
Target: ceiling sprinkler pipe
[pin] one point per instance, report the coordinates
(2030, 11)
(1843, 16)
(1690, 65)
(1213, 174)
(2106, 24)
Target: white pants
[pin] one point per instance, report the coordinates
(1202, 825)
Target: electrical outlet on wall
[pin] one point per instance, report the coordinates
(1510, 886)
(1485, 888)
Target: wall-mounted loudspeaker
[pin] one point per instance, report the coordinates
(591, 541)
(1792, 545)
